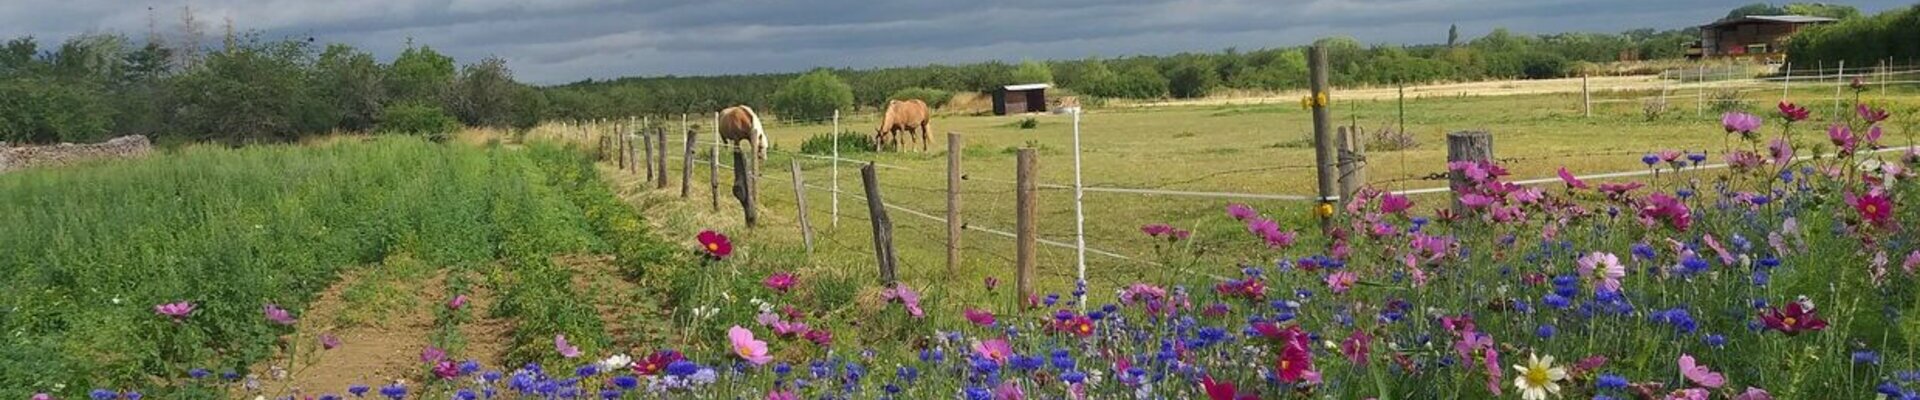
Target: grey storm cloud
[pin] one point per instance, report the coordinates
(556, 41)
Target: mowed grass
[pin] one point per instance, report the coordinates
(90, 249)
(1240, 148)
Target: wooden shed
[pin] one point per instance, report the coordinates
(1020, 99)
(1762, 37)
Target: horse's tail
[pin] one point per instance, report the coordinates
(759, 133)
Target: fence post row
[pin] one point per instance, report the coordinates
(686, 159)
(743, 188)
(1466, 146)
(882, 226)
(800, 197)
(1026, 234)
(954, 225)
(1323, 154)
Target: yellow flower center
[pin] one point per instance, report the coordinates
(1870, 209)
(1536, 376)
(1086, 328)
(1789, 321)
(744, 351)
(713, 247)
(1284, 364)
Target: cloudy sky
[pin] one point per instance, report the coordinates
(557, 41)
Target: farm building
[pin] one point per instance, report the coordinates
(1020, 99)
(1761, 37)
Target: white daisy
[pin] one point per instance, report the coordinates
(1538, 378)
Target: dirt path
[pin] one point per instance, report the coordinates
(630, 312)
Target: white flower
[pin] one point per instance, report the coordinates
(1538, 378)
(618, 361)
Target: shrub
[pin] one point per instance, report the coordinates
(418, 119)
(935, 98)
(1192, 80)
(813, 96)
(1029, 123)
(1726, 100)
(850, 142)
(1140, 82)
(1391, 139)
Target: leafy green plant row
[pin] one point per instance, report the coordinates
(538, 222)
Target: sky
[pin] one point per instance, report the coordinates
(559, 41)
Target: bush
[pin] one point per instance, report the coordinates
(1139, 82)
(1029, 123)
(850, 142)
(935, 98)
(813, 96)
(1391, 139)
(420, 120)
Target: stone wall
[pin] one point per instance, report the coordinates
(15, 158)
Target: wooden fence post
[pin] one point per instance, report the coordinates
(686, 160)
(1466, 146)
(800, 196)
(621, 144)
(954, 225)
(743, 189)
(1353, 163)
(647, 141)
(1323, 153)
(1586, 98)
(713, 164)
(660, 141)
(882, 226)
(1026, 233)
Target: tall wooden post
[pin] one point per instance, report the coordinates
(1586, 98)
(646, 139)
(660, 162)
(1839, 82)
(800, 197)
(1466, 146)
(1323, 153)
(882, 226)
(1353, 163)
(954, 225)
(1026, 233)
(835, 223)
(743, 188)
(713, 164)
(621, 141)
(686, 159)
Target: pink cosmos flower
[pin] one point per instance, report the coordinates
(1009, 390)
(445, 369)
(1296, 359)
(786, 328)
(1842, 136)
(1669, 209)
(782, 395)
(430, 355)
(1913, 261)
(1875, 208)
(1341, 281)
(1793, 113)
(997, 350)
(819, 337)
(328, 341)
(979, 317)
(1781, 151)
(1869, 114)
(567, 350)
(780, 281)
(1475, 200)
(1571, 181)
(457, 302)
(277, 315)
(1619, 189)
(1394, 204)
(744, 345)
(1872, 137)
(176, 310)
(1754, 393)
(1689, 394)
(1739, 122)
(1604, 267)
(1699, 374)
(1356, 347)
(906, 296)
(1241, 211)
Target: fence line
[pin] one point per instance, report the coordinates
(1649, 171)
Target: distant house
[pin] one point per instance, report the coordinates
(1762, 37)
(1020, 99)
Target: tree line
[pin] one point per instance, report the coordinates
(245, 90)
(1868, 41)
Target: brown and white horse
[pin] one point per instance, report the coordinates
(739, 123)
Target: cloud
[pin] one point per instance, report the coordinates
(554, 41)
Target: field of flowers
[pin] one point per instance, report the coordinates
(1783, 278)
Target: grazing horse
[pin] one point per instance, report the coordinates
(739, 123)
(904, 115)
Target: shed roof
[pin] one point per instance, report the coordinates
(1779, 19)
(1029, 86)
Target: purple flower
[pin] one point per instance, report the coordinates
(1240, 211)
(176, 310)
(1740, 122)
(277, 315)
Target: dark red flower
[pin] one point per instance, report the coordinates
(1792, 112)
(1218, 390)
(1870, 114)
(1876, 209)
(656, 362)
(715, 244)
(780, 281)
(1794, 320)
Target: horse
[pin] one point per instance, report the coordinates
(739, 123)
(904, 115)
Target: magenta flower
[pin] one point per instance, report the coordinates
(997, 350)
(176, 310)
(1341, 281)
(1155, 230)
(1699, 374)
(277, 315)
(1669, 209)
(567, 350)
(1754, 393)
(458, 301)
(905, 296)
(328, 341)
(1356, 347)
(782, 395)
(1792, 112)
(819, 337)
(1571, 181)
(979, 317)
(1240, 211)
(1874, 208)
(1009, 390)
(1781, 151)
(1394, 204)
(780, 281)
(432, 354)
(1476, 200)
(1742, 160)
(1869, 114)
(445, 369)
(744, 345)
(1842, 136)
(1739, 122)
(1620, 189)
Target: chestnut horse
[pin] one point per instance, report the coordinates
(904, 115)
(739, 123)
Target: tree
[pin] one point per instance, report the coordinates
(484, 94)
(419, 74)
(935, 98)
(247, 92)
(1033, 72)
(349, 83)
(1453, 35)
(421, 119)
(1139, 82)
(1754, 9)
(1192, 79)
(814, 96)
(1835, 11)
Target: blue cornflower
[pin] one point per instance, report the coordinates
(819, 369)
(1544, 331)
(1073, 377)
(1692, 264)
(626, 382)
(230, 375)
(609, 394)
(394, 391)
(1888, 388)
(682, 368)
(132, 395)
(466, 394)
(1026, 363)
(1678, 317)
(490, 376)
(1761, 277)
(1786, 176)
(1866, 357)
(984, 366)
(1907, 376)
(469, 366)
(1096, 315)
(103, 394)
(1610, 381)
(329, 396)
(978, 393)
(1769, 262)
(907, 373)
(586, 371)
(1697, 158)
(1051, 299)
(1062, 360)
(358, 390)
(1717, 341)
(1644, 251)
(782, 369)
(198, 373)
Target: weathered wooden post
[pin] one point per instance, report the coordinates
(800, 197)
(622, 145)
(743, 189)
(647, 141)
(1353, 163)
(1466, 146)
(686, 159)
(1026, 234)
(835, 223)
(954, 226)
(882, 226)
(1323, 152)
(660, 163)
(1586, 98)
(713, 164)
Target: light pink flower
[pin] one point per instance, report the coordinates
(1341, 281)
(997, 350)
(176, 310)
(457, 302)
(1605, 267)
(744, 345)
(277, 315)
(1754, 393)
(1699, 374)
(567, 350)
